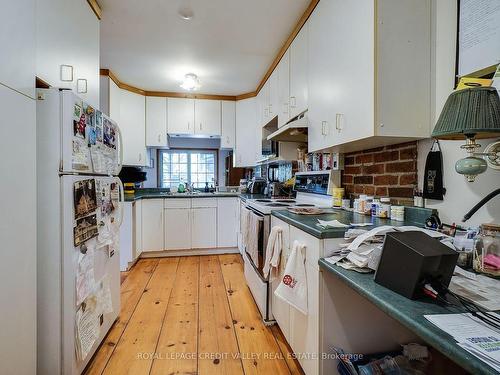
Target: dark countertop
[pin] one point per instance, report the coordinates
(307, 223)
(163, 193)
(410, 314)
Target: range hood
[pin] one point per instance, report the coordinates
(294, 130)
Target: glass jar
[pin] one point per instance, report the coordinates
(487, 250)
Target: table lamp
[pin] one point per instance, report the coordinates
(471, 114)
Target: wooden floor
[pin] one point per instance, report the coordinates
(191, 315)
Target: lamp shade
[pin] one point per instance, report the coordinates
(470, 113)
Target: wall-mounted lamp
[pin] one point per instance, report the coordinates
(81, 86)
(66, 73)
(471, 114)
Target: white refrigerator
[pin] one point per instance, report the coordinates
(80, 210)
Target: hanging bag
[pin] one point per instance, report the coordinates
(433, 177)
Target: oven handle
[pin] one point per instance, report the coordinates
(255, 212)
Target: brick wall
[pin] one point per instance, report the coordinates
(389, 171)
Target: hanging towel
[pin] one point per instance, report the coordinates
(293, 286)
(244, 224)
(253, 238)
(273, 253)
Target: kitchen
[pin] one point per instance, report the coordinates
(228, 181)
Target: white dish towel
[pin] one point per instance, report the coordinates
(293, 286)
(273, 252)
(253, 238)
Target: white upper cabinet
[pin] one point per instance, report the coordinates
(228, 124)
(246, 133)
(156, 121)
(355, 101)
(180, 116)
(283, 70)
(298, 72)
(133, 127)
(273, 105)
(17, 38)
(207, 115)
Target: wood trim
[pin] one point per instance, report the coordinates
(164, 94)
(41, 84)
(288, 42)
(96, 8)
(247, 95)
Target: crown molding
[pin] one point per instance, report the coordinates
(96, 8)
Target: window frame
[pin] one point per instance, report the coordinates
(189, 150)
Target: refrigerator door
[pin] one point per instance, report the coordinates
(90, 141)
(92, 212)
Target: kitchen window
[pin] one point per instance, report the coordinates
(195, 167)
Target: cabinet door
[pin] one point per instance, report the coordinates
(152, 225)
(298, 72)
(177, 228)
(283, 89)
(156, 121)
(322, 101)
(137, 225)
(228, 124)
(227, 222)
(204, 228)
(246, 135)
(207, 115)
(17, 38)
(273, 95)
(180, 116)
(133, 127)
(265, 102)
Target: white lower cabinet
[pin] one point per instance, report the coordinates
(204, 228)
(137, 219)
(227, 222)
(152, 225)
(177, 228)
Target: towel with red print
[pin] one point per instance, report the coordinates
(293, 286)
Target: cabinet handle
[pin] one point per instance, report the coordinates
(140, 156)
(324, 127)
(293, 101)
(201, 126)
(227, 139)
(338, 121)
(189, 125)
(159, 137)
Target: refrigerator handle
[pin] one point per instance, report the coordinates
(122, 199)
(120, 141)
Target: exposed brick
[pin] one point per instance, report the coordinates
(408, 179)
(349, 160)
(359, 189)
(365, 158)
(373, 169)
(386, 156)
(363, 180)
(349, 189)
(402, 166)
(352, 170)
(401, 192)
(386, 180)
(347, 179)
(380, 191)
(408, 154)
(376, 149)
(370, 190)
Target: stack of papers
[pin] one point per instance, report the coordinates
(471, 334)
(481, 290)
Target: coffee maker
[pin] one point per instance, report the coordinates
(256, 186)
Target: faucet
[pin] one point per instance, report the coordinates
(481, 203)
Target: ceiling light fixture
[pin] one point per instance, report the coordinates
(186, 13)
(190, 82)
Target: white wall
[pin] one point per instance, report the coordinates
(68, 33)
(461, 195)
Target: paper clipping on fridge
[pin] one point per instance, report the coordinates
(87, 327)
(104, 301)
(85, 281)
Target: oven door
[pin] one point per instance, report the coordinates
(257, 240)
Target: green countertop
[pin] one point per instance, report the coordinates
(163, 193)
(410, 314)
(308, 223)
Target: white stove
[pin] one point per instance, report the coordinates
(266, 205)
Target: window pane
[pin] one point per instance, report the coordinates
(194, 158)
(183, 157)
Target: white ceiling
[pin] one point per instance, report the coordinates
(229, 44)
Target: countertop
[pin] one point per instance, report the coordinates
(307, 223)
(163, 193)
(411, 314)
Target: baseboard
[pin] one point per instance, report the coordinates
(189, 252)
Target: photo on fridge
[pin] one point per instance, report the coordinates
(109, 134)
(84, 197)
(85, 229)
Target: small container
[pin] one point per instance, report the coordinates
(487, 250)
(398, 213)
(346, 204)
(384, 209)
(375, 207)
(355, 205)
(337, 195)
(367, 207)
